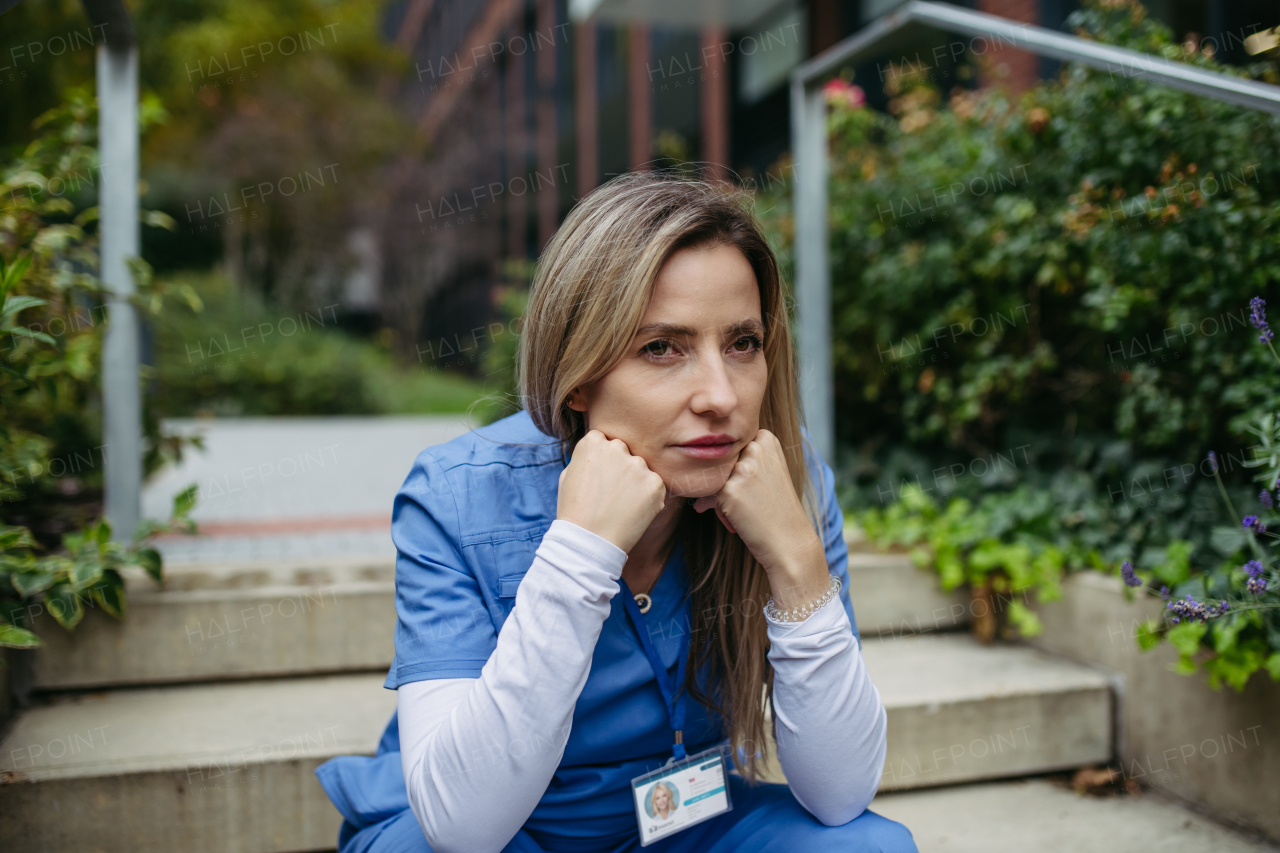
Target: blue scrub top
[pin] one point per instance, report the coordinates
(466, 524)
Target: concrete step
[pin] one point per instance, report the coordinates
(960, 711)
(304, 616)
(1046, 816)
(220, 767)
(211, 622)
(223, 767)
(892, 595)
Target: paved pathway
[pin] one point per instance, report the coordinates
(293, 487)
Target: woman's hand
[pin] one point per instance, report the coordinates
(608, 491)
(759, 503)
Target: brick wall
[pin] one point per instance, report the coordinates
(1010, 67)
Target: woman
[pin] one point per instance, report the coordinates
(663, 801)
(635, 568)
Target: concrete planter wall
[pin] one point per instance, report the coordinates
(1217, 750)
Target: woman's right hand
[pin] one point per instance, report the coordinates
(608, 491)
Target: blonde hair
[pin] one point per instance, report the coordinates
(589, 293)
(671, 796)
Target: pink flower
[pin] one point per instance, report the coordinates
(839, 91)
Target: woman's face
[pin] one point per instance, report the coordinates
(661, 800)
(686, 395)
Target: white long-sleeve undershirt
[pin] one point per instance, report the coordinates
(467, 743)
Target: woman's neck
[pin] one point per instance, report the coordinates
(646, 560)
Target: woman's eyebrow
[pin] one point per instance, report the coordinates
(669, 329)
(749, 326)
(674, 330)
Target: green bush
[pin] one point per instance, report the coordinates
(53, 546)
(1066, 274)
(239, 356)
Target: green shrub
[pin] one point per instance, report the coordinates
(239, 356)
(53, 546)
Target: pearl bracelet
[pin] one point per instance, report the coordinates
(803, 612)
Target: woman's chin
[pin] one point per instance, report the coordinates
(697, 480)
(695, 485)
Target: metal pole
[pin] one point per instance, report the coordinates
(813, 277)
(118, 227)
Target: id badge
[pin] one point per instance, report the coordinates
(680, 794)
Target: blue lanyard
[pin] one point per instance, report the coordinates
(673, 693)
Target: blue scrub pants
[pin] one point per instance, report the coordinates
(765, 819)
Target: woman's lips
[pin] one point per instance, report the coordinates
(708, 447)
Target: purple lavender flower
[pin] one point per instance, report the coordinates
(1213, 462)
(1264, 497)
(1253, 522)
(1126, 572)
(1223, 606)
(1189, 608)
(1258, 317)
(1257, 583)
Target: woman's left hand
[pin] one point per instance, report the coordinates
(759, 503)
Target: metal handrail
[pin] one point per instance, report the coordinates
(808, 135)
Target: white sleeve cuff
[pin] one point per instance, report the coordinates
(598, 550)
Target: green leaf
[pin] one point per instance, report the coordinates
(185, 501)
(1176, 566)
(1273, 666)
(1226, 630)
(102, 533)
(14, 637)
(64, 605)
(14, 304)
(24, 332)
(110, 593)
(1024, 618)
(12, 273)
(1185, 636)
(15, 537)
(30, 583)
(950, 568)
(150, 560)
(1236, 665)
(159, 219)
(86, 572)
(1149, 635)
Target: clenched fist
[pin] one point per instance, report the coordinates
(608, 491)
(759, 503)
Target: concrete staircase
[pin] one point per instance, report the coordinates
(195, 724)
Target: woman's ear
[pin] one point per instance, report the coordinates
(576, 401)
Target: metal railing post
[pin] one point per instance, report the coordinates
(117, 74)
(813, 276)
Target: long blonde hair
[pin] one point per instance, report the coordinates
(591, 289)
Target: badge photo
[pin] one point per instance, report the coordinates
(681, 794)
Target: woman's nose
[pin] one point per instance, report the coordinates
(714, 393)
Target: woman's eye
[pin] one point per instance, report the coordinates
(746, 343)
(658, 348)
